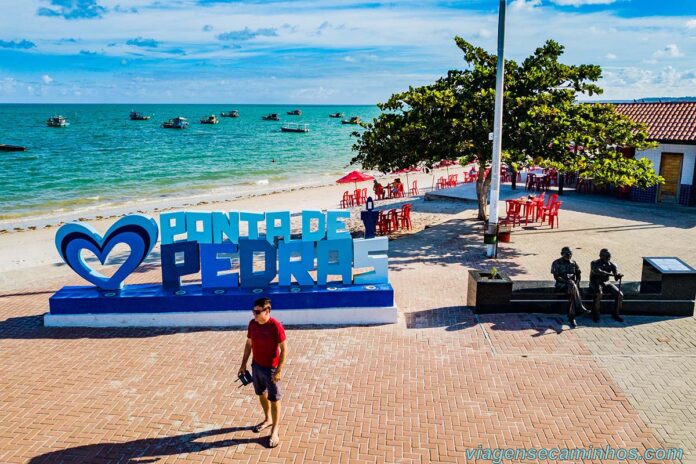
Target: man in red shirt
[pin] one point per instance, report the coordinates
(266, 340)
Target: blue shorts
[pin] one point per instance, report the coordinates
(263, 380)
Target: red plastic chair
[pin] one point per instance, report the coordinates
(531, 180)
(405, 216)
(383, 223)
(347, 200)
(358, 198)
(545, 209)
(393, 219)
(414, 189)
(551, 200)
(441, 183)
(552, 213)
(513, 211)
(379, 191)
(363, 194)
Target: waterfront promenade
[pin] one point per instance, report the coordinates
(440, 381)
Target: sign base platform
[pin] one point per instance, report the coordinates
(150, 305)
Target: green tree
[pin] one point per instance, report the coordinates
(589, 144)
(452, 118)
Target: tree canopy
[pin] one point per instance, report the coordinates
(451, 119)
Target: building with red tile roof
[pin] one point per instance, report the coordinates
(673, 126)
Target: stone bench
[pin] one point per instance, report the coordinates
(669, 294)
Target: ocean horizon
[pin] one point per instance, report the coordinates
(103, 159)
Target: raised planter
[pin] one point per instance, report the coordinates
(503, 234)
(485, 293)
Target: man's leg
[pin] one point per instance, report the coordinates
(618, 303)
(266, 405)
(579, 307)
(571, 305)
(260, 387)
(275, 413)
(597, 302)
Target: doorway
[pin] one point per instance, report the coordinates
(670, 170)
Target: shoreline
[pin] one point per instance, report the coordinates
(210, 196)
(29, 254)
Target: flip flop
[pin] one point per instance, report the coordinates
(263, 425)
(273, 443)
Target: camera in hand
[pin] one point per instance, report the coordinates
(245, 378)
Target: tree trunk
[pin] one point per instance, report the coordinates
(561, 181)
(482, 189)
(514, 179)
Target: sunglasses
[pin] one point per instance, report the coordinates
(259, 311)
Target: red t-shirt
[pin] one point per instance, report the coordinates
(264, 341)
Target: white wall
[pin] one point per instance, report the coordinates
(687, 165)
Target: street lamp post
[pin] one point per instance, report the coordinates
(497, 133)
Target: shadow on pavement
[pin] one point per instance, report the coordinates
(453, 242)
(453, 318)
(138, 451)
(548, 324)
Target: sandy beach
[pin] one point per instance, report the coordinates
(28, 256)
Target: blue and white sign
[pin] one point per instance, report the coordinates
(311, 279)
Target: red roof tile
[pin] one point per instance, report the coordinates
(666, 122)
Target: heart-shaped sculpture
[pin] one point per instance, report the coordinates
(137, 231)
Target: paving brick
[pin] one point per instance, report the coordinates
(439, 382)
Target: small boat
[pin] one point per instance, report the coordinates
(352, 120)
(57, 121)
(295, 113)
(336, 115)
(271, 117)
(230, 114)
(176, 123)
(294, 127)
(4, 147)
(212, 119)
(135, 116)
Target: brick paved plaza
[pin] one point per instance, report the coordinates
(440, 381)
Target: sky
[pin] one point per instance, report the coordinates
(321, 51)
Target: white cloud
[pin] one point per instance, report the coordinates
(403, 45)
(670, 51)
(524, 4)
(483, 34)
(46, 79)
(582, 2)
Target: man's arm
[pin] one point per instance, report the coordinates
(597, 269)
(281, 361)
(245, 358)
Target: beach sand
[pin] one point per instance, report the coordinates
(28, 257)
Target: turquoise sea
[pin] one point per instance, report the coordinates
(103, 158)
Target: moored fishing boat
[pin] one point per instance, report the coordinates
(176, 123)
(295, 113)
(230, 114)
(336, 115)
(212, 119)
(135, 116)
(352, 120)
(271, 117)
(294, 127)
(57, 121)
(4, 147)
